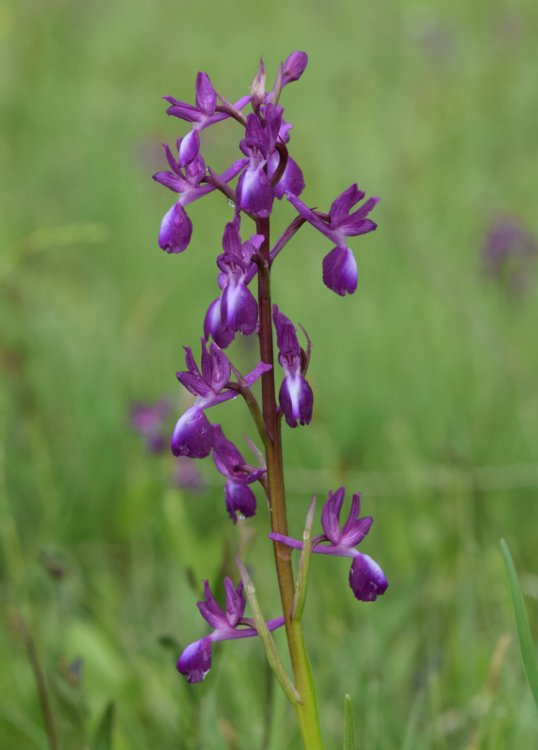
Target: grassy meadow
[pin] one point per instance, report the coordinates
(425, 380)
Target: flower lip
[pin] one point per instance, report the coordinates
(366, 579)
(340, 273)
(176, 230)
(193, 435)
(195, 661)
(296, 400)
(240, 500)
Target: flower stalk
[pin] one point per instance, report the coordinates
(307, 710)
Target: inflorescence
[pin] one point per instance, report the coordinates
(263, 175)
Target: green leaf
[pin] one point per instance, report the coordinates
(349, 732)
(103, 735)
(523, 630)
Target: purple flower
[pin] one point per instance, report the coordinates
(186, 475)
(193, 434)
(148, 420)
(254, 190)
(238, 306)
(508, 252)
(185, 179)
(239, 498)
(366, 579)
(289, 71)
(295, 396)
(294, 67)
(228, 624)
(339, 266)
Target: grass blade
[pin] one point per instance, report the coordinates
(103, 735)
(349, 732)
(523, 630)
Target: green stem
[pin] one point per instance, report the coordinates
(267, 639)
(307, 711)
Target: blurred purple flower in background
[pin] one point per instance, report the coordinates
(508, 253)
(186, 475)
(149, 421)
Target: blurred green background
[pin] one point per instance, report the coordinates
(425, 380)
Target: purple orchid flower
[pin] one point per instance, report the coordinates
(508, 251)
(290, 70)
(254, 190)
(193, 434)
(148, 420)
(239, 498)
(339, 266)
(186, 475)
(236, 311)
(366, 579)
(295, 395)
(195, 661)
(185, 179)
(294, 67)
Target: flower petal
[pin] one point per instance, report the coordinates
(330, 515)
(216, 367)
(189, 146)
(216, 327)
(175, 183)
(235, 602)
(342, 205)
(292, 180)
(206, 98)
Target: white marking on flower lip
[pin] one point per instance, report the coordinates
(294, 390)
(350, 267)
